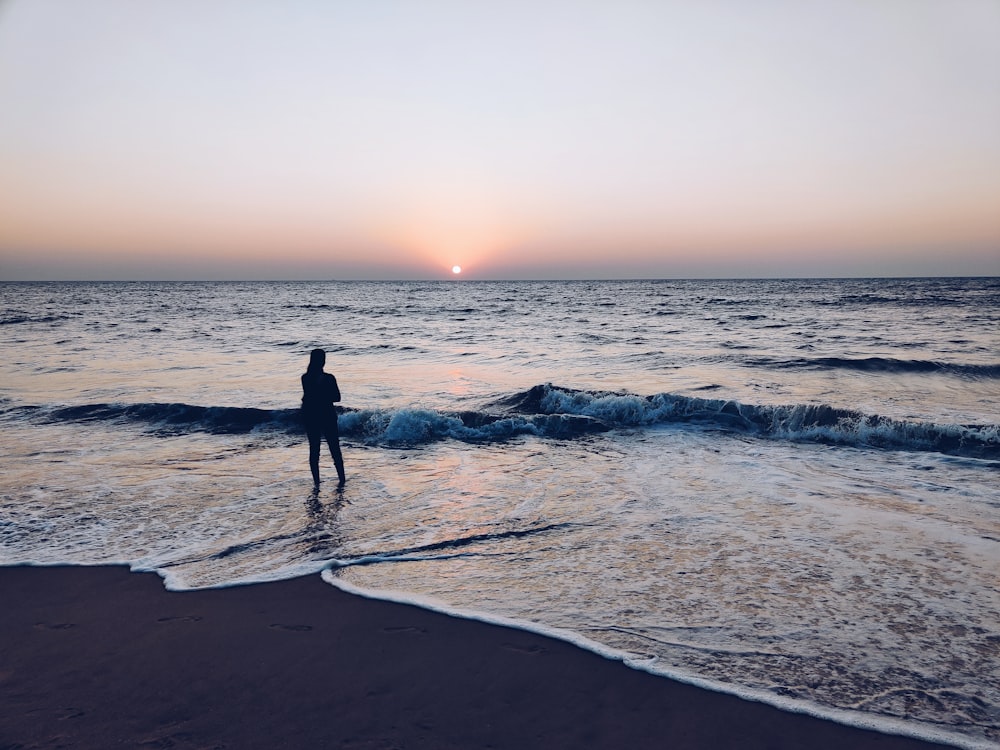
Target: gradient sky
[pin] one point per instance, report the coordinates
(380, 139)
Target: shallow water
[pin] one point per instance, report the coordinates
(681, 496)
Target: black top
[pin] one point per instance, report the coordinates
(319, 392)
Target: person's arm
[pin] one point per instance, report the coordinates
(334, 390)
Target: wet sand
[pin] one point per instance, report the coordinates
(102, 658)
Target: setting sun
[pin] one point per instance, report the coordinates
(456, 270)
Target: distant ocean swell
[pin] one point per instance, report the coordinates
(553, 412)
(879, 364)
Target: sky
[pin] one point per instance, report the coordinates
(384, 139)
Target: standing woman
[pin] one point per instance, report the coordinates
(319, 392)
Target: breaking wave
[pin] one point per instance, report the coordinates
(799, 422)
(553, 412)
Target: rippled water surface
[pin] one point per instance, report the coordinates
(786, 489)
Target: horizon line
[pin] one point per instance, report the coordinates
(490, 281)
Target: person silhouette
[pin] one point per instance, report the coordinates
(319, 392)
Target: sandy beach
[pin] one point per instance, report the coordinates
(101, 658)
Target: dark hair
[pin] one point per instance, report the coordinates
(317, 358)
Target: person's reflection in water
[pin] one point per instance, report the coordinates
(321, 529)
(323, 515)
(319, 393)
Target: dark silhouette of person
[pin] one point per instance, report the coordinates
(319, 392)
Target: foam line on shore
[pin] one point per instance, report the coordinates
(859, 720)
(326, 569)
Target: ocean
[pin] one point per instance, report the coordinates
(783, 489)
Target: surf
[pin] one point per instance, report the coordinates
(554, 412)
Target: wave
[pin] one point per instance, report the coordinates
(798, 422)
(14, 318)
(178, 418)
(879, 364)
(414, 426)
(406, 426)
(553, 412)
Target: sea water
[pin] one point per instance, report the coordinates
(788, 490)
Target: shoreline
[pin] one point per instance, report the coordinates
(95, 657)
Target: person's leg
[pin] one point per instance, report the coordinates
(333, 440)
(315, 438)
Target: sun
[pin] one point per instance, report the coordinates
(456, 270)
